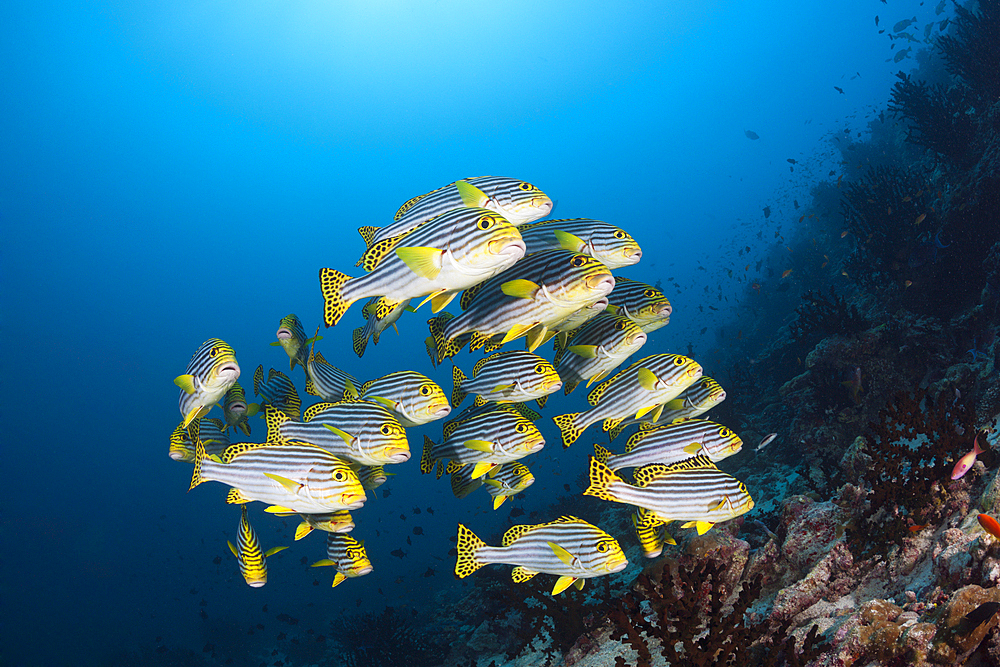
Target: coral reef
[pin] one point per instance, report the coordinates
(819, 314)
(386, 638)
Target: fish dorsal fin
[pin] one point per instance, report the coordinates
(320, 359)
(409, 203)
(368, 233)
(468, 295)
(635, 440)
(450, 427)
(647, 473)
(315, 410)
(243, 447)
(377, 251)
(482, 362)
(311, 388)
(514, 532)
(472, 197)
(566, 518)
(367, 385)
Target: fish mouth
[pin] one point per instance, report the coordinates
(602, 282)
(238, 407)
(554, 386)
(362, 571)
(619, 566)
(632, 252)
(177, 455)
(542, 204)
(508, 245)
(354, 504)
(284, 334)
(639, 338)
(256, 584)
(398, 455)
(230, 368)
(439, 411)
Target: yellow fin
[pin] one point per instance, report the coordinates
(291, 485)
(338, 579)
(481, 469)
(441, 301)
(536, 336)
(278, 509)
(467, 547)
(185, 382)
(585, 351)
(601, 477)
(343, 436)
(601, 454)
(520, 288)
(331, 284)
(693, 448)
(472, 197)
(236, 497)
(324, 562)
(515, 331)
(562, 583)
(274, 550)
(303, 530)
(521, 574)
(642, 412)
(561, 553)
(569, 241)
(479, 445)
(568, 428)
(423, 261)
(498, 501)
(233, 548)
(368, 233)
(647, 379)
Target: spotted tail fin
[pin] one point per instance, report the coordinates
(457, 395)
(468, 546)
(601, 477)
(568, 428)
(332, 283)
(360, 341)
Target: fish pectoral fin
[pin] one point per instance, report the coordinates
(382, 401)
(537, 336)
(693, 448)
(441, 301)
(579, 584)
(647, 379)
(585, 351)
(597, 378)
(303, 530)
(338, 579)
(498, 501)
(278, 509)
(271, 552)
(472, 197)
(479, 445)
(185, 382)
(521, 574)
(562, 583)
(519, 288)
(494, 483)
(343, 436)
(481, 469)
(324, 562)
(569, 241)
(232, 548)
(561, 553)
(502, 387)
(675, 404)
(289, 484)
(422, 260)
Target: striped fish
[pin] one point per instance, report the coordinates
(253, 562)
(597, 348)
(438, 259)
(209, 375)
(292, 338)
(293, 477)
(347, 555)
(580, 317)
(673, 443)
(361, 431)
(507, 480)
(694, 401)
(379, 314)
(515, 200)
(413, 398)
(373, 477)
(569, 547)
(236, 411)
(652, 534)
(325, 380)
(182, 447)
(639, 389)
(463, 483)
(506, 377)
(643, 304)
(329, 522)
(483, 437)
(278, 392)
(537, 294)
(610, 245)
(693, 491)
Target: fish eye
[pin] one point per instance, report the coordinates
(486, 222)
(339, 476)
(521, 428)
(526, 187)
(214, 352)
(650, 293)
(425, 390)
(725, 432)
(620, 325)
(619, 234)
(578, 261)
(386, 429)
(678, 360)
(539, 368)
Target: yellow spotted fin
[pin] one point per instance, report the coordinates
(601, 454)
(331, 284)
(426, 462)
(457, 395)
(568, 429)
(467, 548)
(368, 233)
(521, 574)
(601, 477)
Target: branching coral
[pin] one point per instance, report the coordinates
(684, 614)
(938, 118)
(970, 49)
(384, 639)
(819, 314)
(914, 445)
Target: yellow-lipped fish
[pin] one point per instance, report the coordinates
(518, 201)
(568, 547)
(253, 562)
(597, 348)
(506, 377)
(438, 259)
(277, 392)
(182, 447)
(610, 245)
(638, 390)
(361, 431)
(292, 339)
(507, 480)
(329, 522)
(694, 401)
(672, 443)
(693, 491)
(380, 314)
(483, 437)
(642, 303)
(292, 477)
(412, 397)
(347, 555)
(236, 411)
(209, 375)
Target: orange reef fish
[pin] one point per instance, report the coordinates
(990, 525)
(967, 462)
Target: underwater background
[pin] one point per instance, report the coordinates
(173, 172)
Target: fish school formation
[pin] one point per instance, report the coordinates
(517, 277)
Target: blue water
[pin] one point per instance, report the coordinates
(178, 171)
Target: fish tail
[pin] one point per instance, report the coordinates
(616, 431)
(426, 462)
(360, 341)
(199, 456)
(332, 283)
(569, 386)
(601, 477)
(568, 428)
(468, 546)
(445, 348)
(275, 418)
(457, 395)
(601, 454)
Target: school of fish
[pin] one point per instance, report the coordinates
(518, 276)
